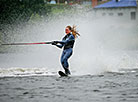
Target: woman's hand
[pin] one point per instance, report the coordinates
(54, 42)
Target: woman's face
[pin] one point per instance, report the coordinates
(67, 31)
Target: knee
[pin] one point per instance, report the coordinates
(63, 60)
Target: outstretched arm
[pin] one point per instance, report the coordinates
(60, 45)
(56, 44)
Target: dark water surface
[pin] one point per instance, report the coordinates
(107, 87)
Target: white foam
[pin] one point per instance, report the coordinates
(14, 72)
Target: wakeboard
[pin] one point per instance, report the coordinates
(62, 74)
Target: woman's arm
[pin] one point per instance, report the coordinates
(56, 44)
(63, 42)
(60, 46)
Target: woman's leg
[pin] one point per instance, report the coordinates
(64, 59)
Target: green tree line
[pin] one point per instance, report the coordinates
(12, 11)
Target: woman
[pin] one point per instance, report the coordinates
(68, 43)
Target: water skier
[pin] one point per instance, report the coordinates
(67, 44)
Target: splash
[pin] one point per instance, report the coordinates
(22, 72)
(106, 44)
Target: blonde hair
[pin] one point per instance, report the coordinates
(73, 30)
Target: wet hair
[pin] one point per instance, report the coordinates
(73, 30)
